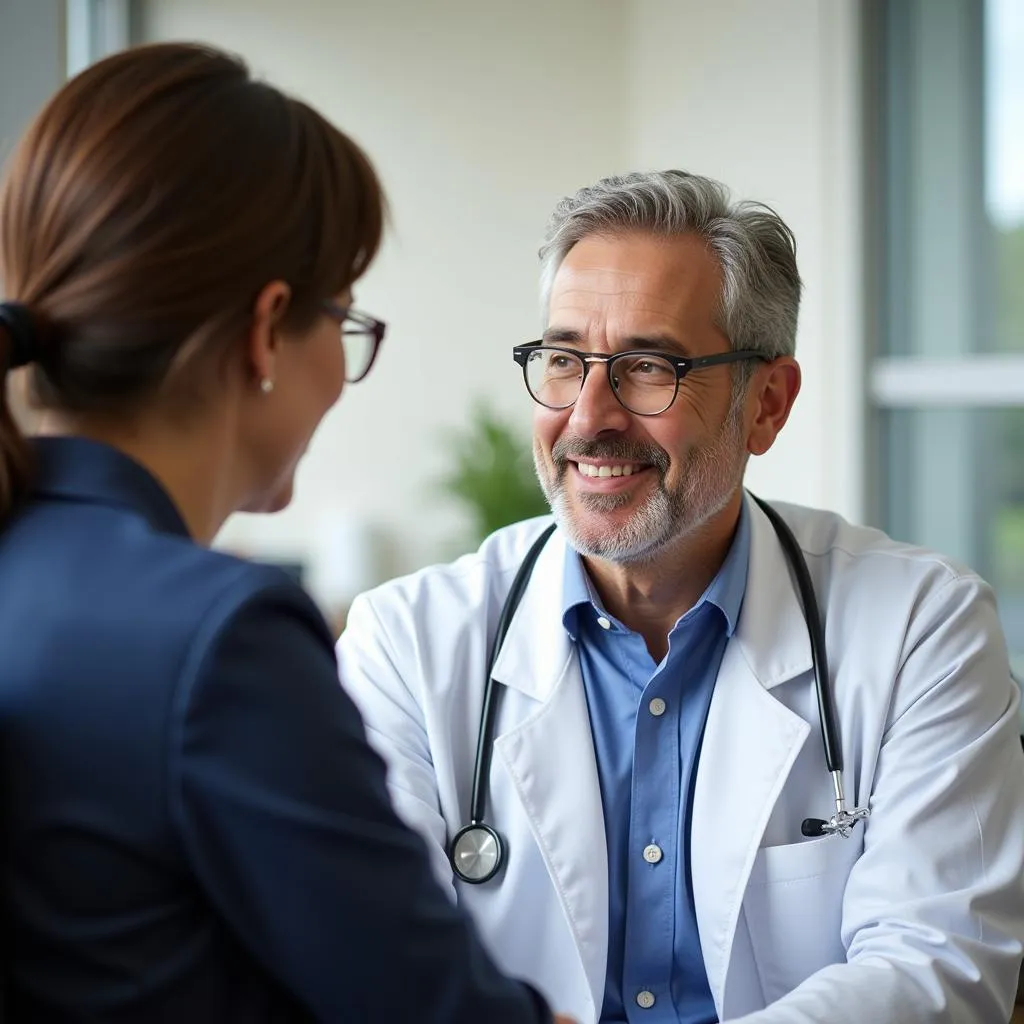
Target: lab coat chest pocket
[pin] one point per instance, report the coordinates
(793, 909)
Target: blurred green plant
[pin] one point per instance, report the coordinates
(491, 474)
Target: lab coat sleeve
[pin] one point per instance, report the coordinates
(283, 814)
(933, 913)
(380, 687)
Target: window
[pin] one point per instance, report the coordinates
(93, 29)
(947, 386)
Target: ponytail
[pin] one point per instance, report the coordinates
(18, 337)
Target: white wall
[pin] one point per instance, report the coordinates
(479, 117)
(764, 96)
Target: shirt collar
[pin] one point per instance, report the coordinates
(577, 592)
(725, 591)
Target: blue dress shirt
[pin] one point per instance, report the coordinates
(648, 721)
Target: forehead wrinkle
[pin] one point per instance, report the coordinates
(631, 314)
(599, 281)
(601, 288)
(609, 304)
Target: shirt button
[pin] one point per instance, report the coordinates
(656, 707)
(645, 999)
(603, 622)
(652, 853)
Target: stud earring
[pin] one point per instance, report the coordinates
(266, 385)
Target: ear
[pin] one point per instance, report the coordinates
(772, 394)
(262, 343)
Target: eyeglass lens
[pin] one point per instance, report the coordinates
(644, 384)
(359, 345)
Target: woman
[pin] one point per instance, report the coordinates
(194, 828)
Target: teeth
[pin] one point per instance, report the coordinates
(601, 471)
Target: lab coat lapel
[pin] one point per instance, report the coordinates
(751, 741)
(549, 755)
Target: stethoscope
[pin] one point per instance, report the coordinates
(476, 851)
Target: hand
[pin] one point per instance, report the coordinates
(560, 1018)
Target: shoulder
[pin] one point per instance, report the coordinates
(176, 600)
(201, 589)
(216, 594)
(255, 643)
(109, 569)
(838, 551)
(438, 614)
(887, 599)
(473, 580)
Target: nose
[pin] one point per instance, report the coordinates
(597, 411)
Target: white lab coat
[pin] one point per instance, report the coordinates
(917, 917)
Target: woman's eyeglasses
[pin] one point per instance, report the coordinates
(361, 335)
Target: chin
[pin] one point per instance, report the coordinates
(273, 501)
(279, 502)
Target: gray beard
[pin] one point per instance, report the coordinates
(710, 477)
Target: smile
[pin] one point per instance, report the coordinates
(623, 469)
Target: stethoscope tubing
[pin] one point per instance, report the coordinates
(819, 659)
(482, 762)
(816, 634)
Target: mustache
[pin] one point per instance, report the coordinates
(570, 449)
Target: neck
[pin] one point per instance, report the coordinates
(650, 598)
(192, 463)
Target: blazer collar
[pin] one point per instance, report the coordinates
(76, 469)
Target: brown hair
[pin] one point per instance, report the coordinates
(146, 207)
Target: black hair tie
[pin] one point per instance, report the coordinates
(21, 332)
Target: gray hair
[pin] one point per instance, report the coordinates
(760, 283)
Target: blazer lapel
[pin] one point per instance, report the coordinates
(549, 755)
(751, 741)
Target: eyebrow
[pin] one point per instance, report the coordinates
(643, 342)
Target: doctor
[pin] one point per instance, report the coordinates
(655, 746)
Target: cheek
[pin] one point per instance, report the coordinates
(315, 387)
(548, 426)
(334, 368)
(678, 440)
(325, 375)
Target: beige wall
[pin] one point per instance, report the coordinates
(481, 115)
(765, 96)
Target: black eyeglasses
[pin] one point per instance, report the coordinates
(361, 336)
(645, 383)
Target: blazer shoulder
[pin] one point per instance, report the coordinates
(219, 586)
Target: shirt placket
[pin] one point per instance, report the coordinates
(652, 857)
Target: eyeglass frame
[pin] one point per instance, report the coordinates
(681, 364)
(369, 325)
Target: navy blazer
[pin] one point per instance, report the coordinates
(193, 825)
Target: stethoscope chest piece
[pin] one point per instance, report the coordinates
(476, 853)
